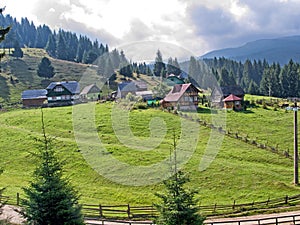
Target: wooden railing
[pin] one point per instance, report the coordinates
(129, 212)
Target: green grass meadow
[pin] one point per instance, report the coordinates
(240, 171)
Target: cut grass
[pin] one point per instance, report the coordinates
(240, 171)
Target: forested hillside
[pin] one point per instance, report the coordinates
(255, 77)
(57, 44)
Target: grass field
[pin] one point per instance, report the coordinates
(240, 171)
(18, 75)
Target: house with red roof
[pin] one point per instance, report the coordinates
(182, 97)
(233, 102)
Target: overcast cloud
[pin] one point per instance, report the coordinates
(196, 25)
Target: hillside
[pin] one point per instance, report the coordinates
(273, 50)
(21, 74)
(240, 172)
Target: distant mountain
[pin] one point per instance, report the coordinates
(273, 50)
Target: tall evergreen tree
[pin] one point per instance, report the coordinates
(159, 65)
(178, 205)
(45, 69)
(61, 47)
(18, 53)
(50, 199)
(51, 46)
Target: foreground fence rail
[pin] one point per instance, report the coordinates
(288, 219)
(148, 213)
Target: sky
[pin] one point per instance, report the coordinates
(198, 26)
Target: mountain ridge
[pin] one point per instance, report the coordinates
(280, 50)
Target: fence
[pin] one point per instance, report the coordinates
(149, 212)
(115, 212)
(288, 219)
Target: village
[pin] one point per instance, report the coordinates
(182, 96)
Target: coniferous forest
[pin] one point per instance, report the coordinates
(255, 77)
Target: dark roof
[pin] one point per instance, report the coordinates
(232, 98)
(177, 91)
(140, 84)
(34, 94)
(72, 86)
(127, 86)
(235, 90)
(93, 88)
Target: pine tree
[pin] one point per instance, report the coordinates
(178, 205)
(159, 65)
(18, 53)
(45, 69)
(51, 46)
(3, 32)
(50, 199)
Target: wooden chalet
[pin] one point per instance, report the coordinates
(220, 93)
(63, 93)
(182, 97)
(34, 98)
(130, 87)
(233, 102)
(90, 92)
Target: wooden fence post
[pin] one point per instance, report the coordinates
(128, 211)
(18, 199)
(233, 204)
(100, 211)
(215, 207)
(286, 199)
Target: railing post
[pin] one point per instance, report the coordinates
(286, 199)
(128, 211)
(18, 199)
(100, 211)
(215, 207)
(233, 204)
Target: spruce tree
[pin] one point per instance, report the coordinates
(50, 199)
(45, 69)
(3, 32)
(159, 65)
(178, 205)
(18, 53)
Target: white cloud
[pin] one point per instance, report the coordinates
(197, 25)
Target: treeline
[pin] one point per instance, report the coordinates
(255, 77)
(57, 44)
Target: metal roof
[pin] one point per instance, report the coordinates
(34, 94)
(89, 89)
(72, 86)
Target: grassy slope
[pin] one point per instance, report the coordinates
(239, 172)
(25, 71)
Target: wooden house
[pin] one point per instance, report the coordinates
(233, 102)
(34, 98)
(63, 93)
(182, 97)
(90, 92)
(220, 93)
(130, 87)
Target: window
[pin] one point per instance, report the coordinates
(58, 89)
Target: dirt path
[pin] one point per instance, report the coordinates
(11, 214)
